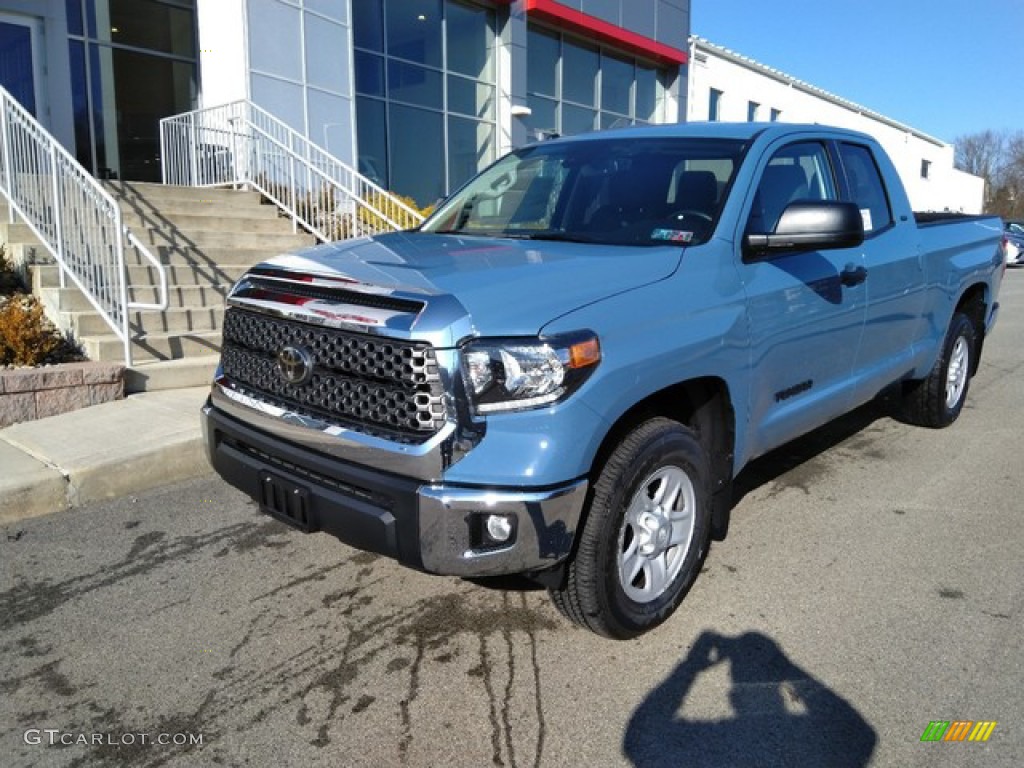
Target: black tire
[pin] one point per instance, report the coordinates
(936, 401)
(623, 518)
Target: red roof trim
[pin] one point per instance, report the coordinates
(593, 27)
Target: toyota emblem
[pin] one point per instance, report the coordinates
(295, 365)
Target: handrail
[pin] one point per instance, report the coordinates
(241, 144)
(73, 216)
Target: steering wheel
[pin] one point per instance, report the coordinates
(684, 212)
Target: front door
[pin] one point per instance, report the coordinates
(21, 70)
(805, 323)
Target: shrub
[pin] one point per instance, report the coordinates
(9, 282)
(27, 337)
(331, 214)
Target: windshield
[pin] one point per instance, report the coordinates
(620, 191)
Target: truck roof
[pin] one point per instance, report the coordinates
(719, 130)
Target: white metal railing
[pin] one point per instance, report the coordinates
(73, 216)
(241, 144)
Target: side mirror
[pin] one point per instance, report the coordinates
(809, 226)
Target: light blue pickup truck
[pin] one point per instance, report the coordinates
(562, 370)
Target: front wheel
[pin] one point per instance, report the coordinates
(936, 401)
(646, 533)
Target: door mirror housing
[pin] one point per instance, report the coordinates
(807, 225)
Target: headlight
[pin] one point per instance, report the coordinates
(515, 374)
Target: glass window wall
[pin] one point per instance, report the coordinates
(133, 62)
(425, 93)
(573, 87)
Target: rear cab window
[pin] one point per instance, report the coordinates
(866, 187)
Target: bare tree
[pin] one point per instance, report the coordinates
(999, 159)
(981, 154)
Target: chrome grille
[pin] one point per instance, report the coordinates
(381, 386)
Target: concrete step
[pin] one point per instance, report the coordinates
(19, 232)
(207, 256)
(174, 208)
(169, 194)
(153, 346)
(178, 297)
(206, 239)
(47, 276)
(187, 224)
(154, 375)
(203, 257)
(182, 320)
(212, 238)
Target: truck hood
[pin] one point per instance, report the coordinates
(503, 286)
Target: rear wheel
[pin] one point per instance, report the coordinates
(937, 400)
(645, 535)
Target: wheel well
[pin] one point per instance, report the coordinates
(974, 305)
(704, 405)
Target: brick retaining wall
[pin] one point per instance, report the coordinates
(35, 393)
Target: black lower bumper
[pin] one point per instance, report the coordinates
(366, 508)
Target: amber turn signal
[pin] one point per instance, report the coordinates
(584, 353)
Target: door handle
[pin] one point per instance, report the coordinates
(853, 275)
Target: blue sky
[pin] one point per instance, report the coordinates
(945, 67)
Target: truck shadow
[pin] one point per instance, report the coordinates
(780, 714)
(776, 463)
(762, 471)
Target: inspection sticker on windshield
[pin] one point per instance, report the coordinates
(672, 235)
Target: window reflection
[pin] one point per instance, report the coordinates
(132, 63)
(16, 65)
(470, 97)
(542, 63)
(368, 25)
(616, 83)
(474, 53)
(579, 75)
(151, 25)
(415, 85)
(573, 87)
(471, 146)
(413, 30)
(425, 111)
(416, 170)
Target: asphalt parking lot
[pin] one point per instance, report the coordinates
(871, 584)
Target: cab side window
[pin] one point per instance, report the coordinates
(866, 187)
(799, 171)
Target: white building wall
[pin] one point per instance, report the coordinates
(222, 57)
(741, 81)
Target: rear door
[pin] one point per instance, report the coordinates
(895, 280)
(804, 323)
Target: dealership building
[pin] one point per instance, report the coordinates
(416, 94)
(725, 85)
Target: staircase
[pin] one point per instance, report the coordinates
(123, 243)
(206, 238)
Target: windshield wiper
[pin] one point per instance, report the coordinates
(560, 237)
(460, 233)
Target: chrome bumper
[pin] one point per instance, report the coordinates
(423, 461)
(424, 525)
(543, 522)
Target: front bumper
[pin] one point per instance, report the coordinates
(425, 525)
